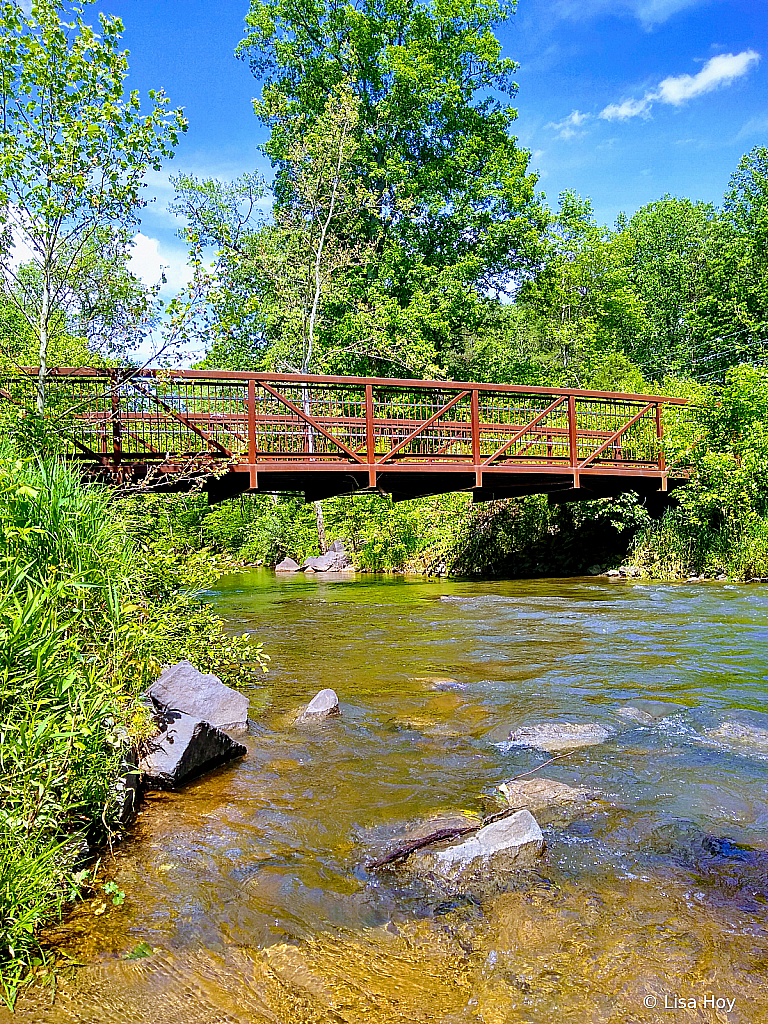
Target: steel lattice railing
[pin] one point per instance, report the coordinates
(119, 417)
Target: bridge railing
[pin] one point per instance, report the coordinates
(120, 416)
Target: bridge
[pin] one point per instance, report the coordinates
(233, 433)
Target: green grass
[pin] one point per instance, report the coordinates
(89, 612)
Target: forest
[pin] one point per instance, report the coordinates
(406, 235)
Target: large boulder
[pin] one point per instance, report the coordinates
(556, 736)
(183, 688)
(487, 856)
(335, 559)
(185, 748)
(324, 704)
(287, 565)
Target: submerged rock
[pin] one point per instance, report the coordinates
(324, 704)
(557, 736)
(184, 749)
(485, 857)
(287, 565)
(642, 710)
(437, 828)
(740, 735)
(542, 794)
(183, 688)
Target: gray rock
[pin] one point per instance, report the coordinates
(127, 789)
(553, 802)
(557, 736)
(335, 559)
(287, 565)
(186, 748)
(538, 794)
(324, 704)
(487, 856)
(740, 736)
(425, 832)
(183, 688)
(649, 710)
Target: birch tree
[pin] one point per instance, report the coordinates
(74, 153)
(281, 276)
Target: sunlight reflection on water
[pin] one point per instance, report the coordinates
(250, 886)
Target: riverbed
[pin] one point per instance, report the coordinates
(247, 895)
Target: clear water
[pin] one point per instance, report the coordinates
(250, 887)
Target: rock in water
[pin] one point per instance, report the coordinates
(740, 735)
(323, 705)
(335, 559)
(536, 794)
(434, 829)
(186, 748)
(182, 688)
(556, 736)
(642, 710)
(486, 856)
(553, 801)
(287, 565)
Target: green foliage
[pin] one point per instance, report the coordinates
(436, 147)
(74, 152)
(720, 522)
(668, 265)
(91, 607)
(403, 208)
(530, 537)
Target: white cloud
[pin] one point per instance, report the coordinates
(568, 127)
(626, 109)
(147, 262)
(654, 12)
(676, 90)
(648, 12)
(720, 70)
(755, 126)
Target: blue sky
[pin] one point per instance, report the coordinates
(621, 100)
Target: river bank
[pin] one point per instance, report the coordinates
(89, 613)
(247, 895)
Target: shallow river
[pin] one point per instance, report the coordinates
(249, 893)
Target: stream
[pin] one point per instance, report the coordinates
(247, 896)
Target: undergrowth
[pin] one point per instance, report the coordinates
(90, 610)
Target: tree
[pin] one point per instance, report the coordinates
(455, 216)
(669, 255)
(583, 298)
(292, 263)
(731, 317)
(74, 151)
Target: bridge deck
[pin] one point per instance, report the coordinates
(331, 435)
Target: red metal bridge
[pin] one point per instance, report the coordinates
(231, 433)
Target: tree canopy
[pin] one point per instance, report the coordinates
(74, 151)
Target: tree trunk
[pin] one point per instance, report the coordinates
(42, 373)
(321, 527)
